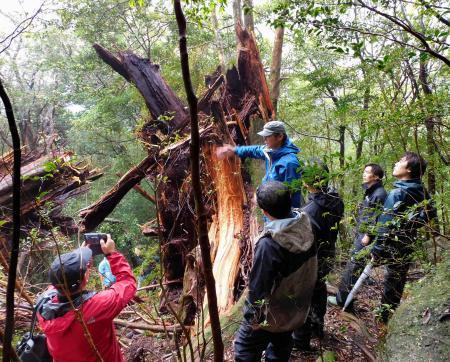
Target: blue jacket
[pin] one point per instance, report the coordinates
(398, 224)
(281, 164)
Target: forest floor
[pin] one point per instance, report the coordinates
(357, 336)
(348, 337)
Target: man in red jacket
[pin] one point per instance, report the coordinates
(78, 323)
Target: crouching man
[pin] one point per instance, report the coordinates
(281, 281)
(78, 323)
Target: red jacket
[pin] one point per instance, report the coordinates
(65, 336)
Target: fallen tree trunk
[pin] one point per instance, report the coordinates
(97, 212)
(227, 112)
(148, 327)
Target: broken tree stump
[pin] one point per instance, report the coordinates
(233, 102)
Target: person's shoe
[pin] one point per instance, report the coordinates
(303, 346)
(332, 300)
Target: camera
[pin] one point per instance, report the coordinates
(93, 242)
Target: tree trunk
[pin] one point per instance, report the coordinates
(429, 125)
(201, 216)
(15, 239)
(219, 40)
(226, 114)
(248, 15)
(237, 15)
(275, 68)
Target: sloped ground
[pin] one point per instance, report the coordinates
(350, 337)
(420, 330)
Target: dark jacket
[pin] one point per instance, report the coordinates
(369, 211)
(281, 164)
(283, 275)
(401, 217)
(325, 209)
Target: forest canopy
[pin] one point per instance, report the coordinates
(355, 82)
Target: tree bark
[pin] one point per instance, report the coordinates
(219, 40)
(237, 15)
(93, 215)
(248, 15)
(275, 68)
(429, 125)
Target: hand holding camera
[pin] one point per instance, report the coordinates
(99, 243)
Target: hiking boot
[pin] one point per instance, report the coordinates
(303, 346)
(332, 300)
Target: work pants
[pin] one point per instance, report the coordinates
(393, 286)
(249, 345)
(315, 321)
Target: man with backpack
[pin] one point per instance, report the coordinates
(281, 280)
(325, 209)
(79, 324)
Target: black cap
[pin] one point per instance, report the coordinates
(73, 265)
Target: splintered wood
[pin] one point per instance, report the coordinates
(228, 222)
(233, 101)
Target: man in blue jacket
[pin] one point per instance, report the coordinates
(404, 212)
(279, 153)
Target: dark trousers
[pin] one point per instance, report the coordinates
(315, 320)
(393, 286)
(249, 345)
(352, 272)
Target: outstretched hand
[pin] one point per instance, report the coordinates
(224, 151)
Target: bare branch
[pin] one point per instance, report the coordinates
(20, 28)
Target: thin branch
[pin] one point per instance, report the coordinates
(202, 227)
(409, 30)
(12, 272)
(18, 30)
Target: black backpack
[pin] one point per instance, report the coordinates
(33, 347)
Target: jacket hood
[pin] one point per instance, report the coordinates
(56, 314)
(328, 201)
(410, 185)
(294, 233)
(286, 148)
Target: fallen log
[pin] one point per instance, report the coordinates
(94, 214)
(148, 327)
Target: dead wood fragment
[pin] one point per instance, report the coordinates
(94, 214)
(145, 75)
(148, 327)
